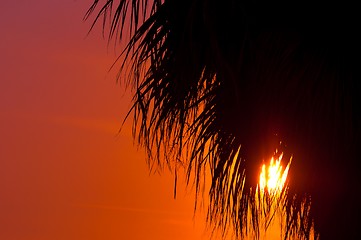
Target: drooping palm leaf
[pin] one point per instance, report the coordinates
(223, 83)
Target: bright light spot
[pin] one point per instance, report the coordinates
(273, 177)
(271, 197)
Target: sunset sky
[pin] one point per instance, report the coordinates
(65, 172)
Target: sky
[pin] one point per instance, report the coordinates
(65, 170)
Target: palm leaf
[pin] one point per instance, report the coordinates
(221, 85)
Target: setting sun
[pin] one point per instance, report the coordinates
(272, 180)
(273, 177)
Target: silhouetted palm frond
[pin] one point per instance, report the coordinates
(225, 84)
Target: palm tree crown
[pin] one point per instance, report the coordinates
(224, 84)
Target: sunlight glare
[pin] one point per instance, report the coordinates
(273, 177)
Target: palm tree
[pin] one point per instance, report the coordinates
(225, 83)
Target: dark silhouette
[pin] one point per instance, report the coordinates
(212, 77)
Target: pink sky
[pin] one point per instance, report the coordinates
(65, 173)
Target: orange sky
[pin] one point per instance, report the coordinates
(64, 171)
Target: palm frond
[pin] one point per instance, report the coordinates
(221, 85)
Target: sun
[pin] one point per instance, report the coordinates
(270, 194)
(273, 177)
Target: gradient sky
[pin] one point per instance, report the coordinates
(65, 172)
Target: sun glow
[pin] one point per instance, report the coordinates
(273, 177)
(270, 196)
